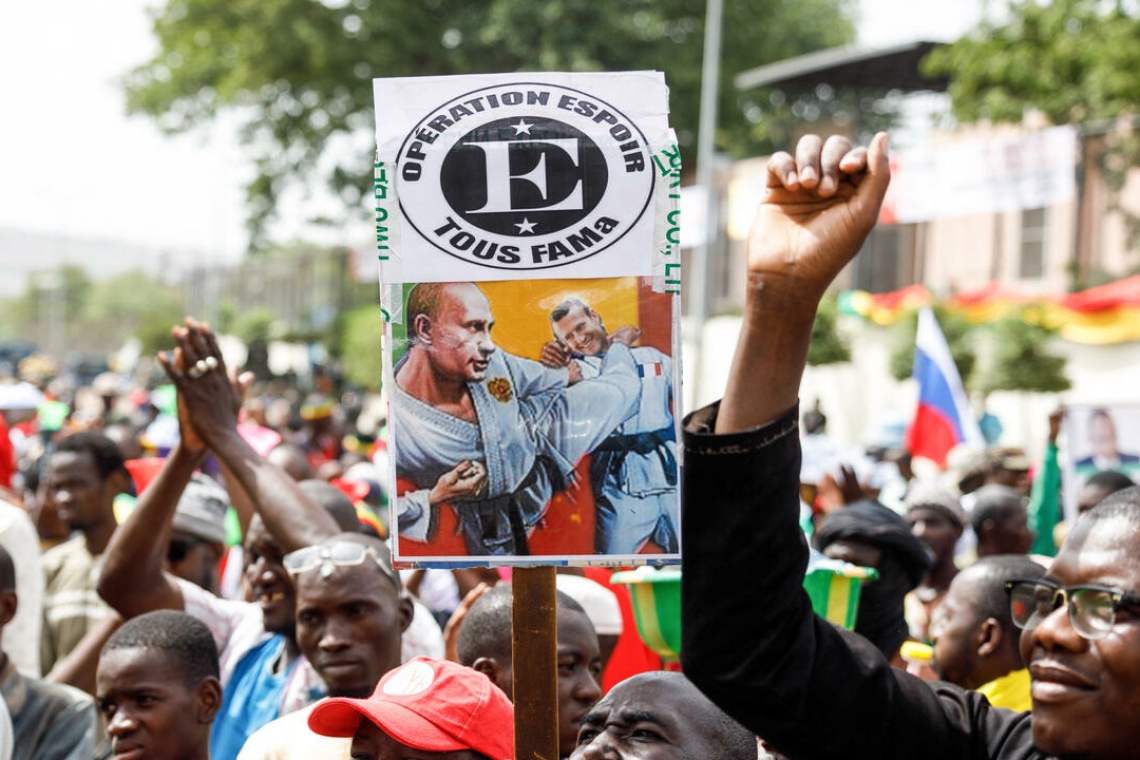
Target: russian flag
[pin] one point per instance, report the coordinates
(943, 418)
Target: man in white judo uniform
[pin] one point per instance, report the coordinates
(634, 471)
(491, 434)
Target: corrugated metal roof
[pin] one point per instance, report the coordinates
(892, 67)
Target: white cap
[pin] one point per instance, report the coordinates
(600, 603)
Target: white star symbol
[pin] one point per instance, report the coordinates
(522, 128)
(525, 226)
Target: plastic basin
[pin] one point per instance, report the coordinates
(656, 593)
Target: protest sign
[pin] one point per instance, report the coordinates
(528, 238)
(1099, 438)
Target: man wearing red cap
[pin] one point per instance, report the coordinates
(424, 705)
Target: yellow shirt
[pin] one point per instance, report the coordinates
(1011, 691)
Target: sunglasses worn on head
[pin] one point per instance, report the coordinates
(337, 554)
(1092, 609)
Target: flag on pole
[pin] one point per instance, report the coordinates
(943, 418)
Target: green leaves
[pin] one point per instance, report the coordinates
(828, 345)
(1014, 350)
(297, 73)
(361, 329)
(1072, 60)
(957, 331)
(1022, 360)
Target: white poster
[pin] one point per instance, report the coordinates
(520, 176)
(529, 245)
(1099, 438)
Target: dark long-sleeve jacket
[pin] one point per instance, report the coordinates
(752, 643)
(49, 721)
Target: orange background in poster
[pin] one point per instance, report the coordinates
(522, 309)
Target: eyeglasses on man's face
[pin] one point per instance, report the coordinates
(1092, 609)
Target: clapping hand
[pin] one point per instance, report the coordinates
(209, 396)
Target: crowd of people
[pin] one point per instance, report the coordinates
(233, 595)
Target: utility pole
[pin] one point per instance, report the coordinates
(706, 143)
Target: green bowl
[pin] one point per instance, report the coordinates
(656, 595)
(656, 598)
(834, 593)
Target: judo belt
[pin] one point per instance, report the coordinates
(510, 506)
(622, 445)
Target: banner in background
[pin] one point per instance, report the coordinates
(982, 176)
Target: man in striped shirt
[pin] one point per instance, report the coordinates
(84, 475)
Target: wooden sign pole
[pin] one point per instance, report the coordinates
(534, 636)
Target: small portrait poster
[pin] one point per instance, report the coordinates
(1100, 439)
(528, 237)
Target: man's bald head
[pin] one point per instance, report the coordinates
(449, 329)
(486, 630)
(291, 458)
(424, 301)
(334, 501)
(428, 298)
(983, 585)
(688, 719)
(975, 640)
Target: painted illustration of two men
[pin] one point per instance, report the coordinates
(491, 448)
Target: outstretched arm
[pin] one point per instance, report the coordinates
(133, 580)
(240, 500)
(293, 519)
(416, 511)
(821, 204)
(792, 678)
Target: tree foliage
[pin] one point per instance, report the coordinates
(1071, 61)
(50, 296)
(1018, 358)
(1022, 360)
(97, 315)
(827, 346)
(298, 72)
(360, 342)
(134, 304)
(69, 284)
(957, 331)
(778, 115)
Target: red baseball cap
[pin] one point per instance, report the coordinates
(431, 705)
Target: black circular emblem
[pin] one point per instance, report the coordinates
(524, 175)
(557, 176)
